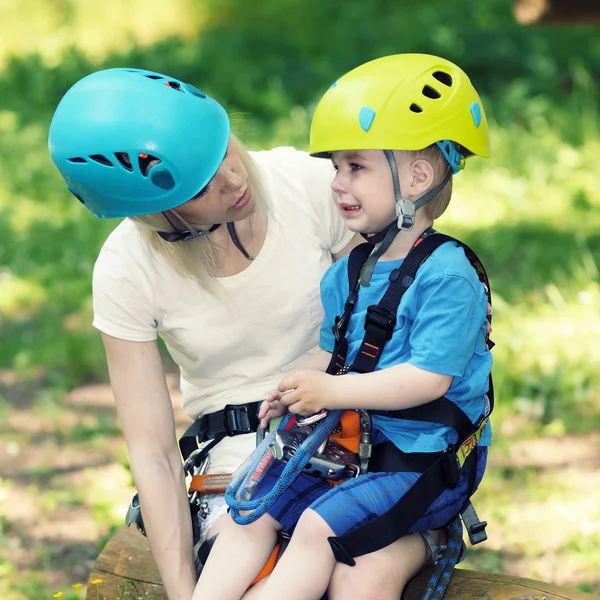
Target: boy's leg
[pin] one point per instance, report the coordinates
(305, 569)
(238, 546)
(238, 555)
(382, 575)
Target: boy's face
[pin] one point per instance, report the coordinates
(364, 188)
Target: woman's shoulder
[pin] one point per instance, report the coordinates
(123, 250)
(125, 234)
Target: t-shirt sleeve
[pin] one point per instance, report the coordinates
(317, 175)
(121, 299)
(334, 290)
(449, 327)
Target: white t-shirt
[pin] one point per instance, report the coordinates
(235, 346)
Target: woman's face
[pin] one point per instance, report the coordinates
(227, 197)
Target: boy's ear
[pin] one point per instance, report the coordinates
(423, 175)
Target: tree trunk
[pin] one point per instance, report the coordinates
(555, 12)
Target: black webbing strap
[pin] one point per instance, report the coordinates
(234, 419)
(398, 521)
(356, 260)
(441, 410)
(381, 318)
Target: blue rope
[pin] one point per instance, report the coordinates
(442, 573)
(294, 467)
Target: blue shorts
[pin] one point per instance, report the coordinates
(361, 500)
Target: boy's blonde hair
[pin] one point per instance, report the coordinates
(196, 258)
(436, 207)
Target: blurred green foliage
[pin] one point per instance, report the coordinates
(531, 211)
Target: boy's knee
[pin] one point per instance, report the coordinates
(383, 574)
(372, 582)
(311, 526)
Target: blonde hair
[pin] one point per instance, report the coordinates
(196, 258)
(436, 207)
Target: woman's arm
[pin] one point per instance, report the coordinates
(146, 416)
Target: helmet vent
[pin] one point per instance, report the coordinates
(100, 158)
(416, 108)
(444, 78)
(77, 159)
(154, 76)
(174, 85)
(124, 160)
(430, 92)
(146, 161)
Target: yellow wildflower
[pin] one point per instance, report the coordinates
(96, 581)
(77, 587)
(58, 595)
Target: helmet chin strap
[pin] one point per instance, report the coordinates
(191, 233)
(405, 221)
(236, 240)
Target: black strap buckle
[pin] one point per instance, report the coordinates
(336, 329)
(451, 464)
(381, 319)
(236, 420)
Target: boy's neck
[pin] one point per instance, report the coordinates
(405, 240)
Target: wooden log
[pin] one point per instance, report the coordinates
(127, 571)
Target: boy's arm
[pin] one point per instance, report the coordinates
(397, 387)
(273, 407)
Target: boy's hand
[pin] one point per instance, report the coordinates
(271, 408)
(309, 392)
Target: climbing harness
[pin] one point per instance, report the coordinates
(440, 470)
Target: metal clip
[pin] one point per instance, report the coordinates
(405, 211)
(199, 470)
(310, 419)
(134, 515)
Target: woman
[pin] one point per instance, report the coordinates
(221, 256)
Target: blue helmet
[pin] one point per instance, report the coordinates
(130, 142)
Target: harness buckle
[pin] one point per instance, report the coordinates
(405, 211)
(336, 329)
(380, 318)
(236, 420)
(451, 467)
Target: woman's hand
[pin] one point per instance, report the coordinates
(271, 408)
(308, 392)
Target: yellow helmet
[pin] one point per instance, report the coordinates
(400, 102)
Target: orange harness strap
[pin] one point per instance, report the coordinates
(210, 484)
(347, 433)
(271, 561)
